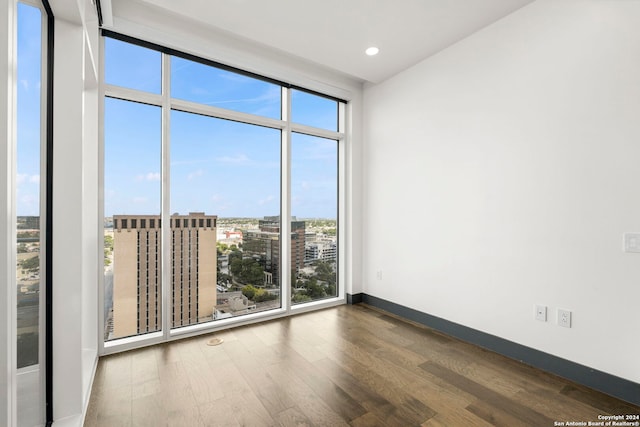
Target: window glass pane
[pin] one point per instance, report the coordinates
(132, 66)
(213, 86)
(28, 181)
(314, 207)
(224, 242)
(132, 254)
(229, 174)
(313, 110)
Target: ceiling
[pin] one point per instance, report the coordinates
(335, 33)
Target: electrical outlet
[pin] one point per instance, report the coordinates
(564, 318)
(379, 274)
(541, 313)
(631, 242)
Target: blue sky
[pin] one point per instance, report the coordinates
(217, 166)
(28, 118)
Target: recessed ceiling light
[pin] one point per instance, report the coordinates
(372, 51)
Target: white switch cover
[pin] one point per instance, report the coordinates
(632, 242)
(541, 313)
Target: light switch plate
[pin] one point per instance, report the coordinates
(541, 313)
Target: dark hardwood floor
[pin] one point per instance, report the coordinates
(350, 365)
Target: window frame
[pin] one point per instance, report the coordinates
(44, 178)
(286, 127)
(40, 373)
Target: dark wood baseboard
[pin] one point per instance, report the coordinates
(354, 299)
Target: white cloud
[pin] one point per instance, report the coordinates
(28, 204)
(225, 207)
(238, 159)
(151, 176)
(25, 84)
(22, 178)
(271, 95)
(28, 198)
(266, 200)
(189, 162)
(195, 174)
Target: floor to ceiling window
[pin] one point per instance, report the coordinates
(28, 180)
(30, 207)
(220, 194)
(314, 196)
(133, 137)
(314, 245)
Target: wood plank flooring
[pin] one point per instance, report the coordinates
(349, 365)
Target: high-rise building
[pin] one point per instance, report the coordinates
(321, 250)
(264, 244)
(137, 273)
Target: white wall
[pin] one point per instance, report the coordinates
(511, 160)
(75, 210)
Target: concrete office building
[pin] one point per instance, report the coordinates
(137, 273)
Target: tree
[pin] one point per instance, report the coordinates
(262, 295)
(108, 242)
(235, 266)
(314, 290)
(32, 263)
(325, 273)
(252, 272)
(300, 297)
(247, 271)
(108, 249)
(233, 255)
(249, 291)
(323, 268)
